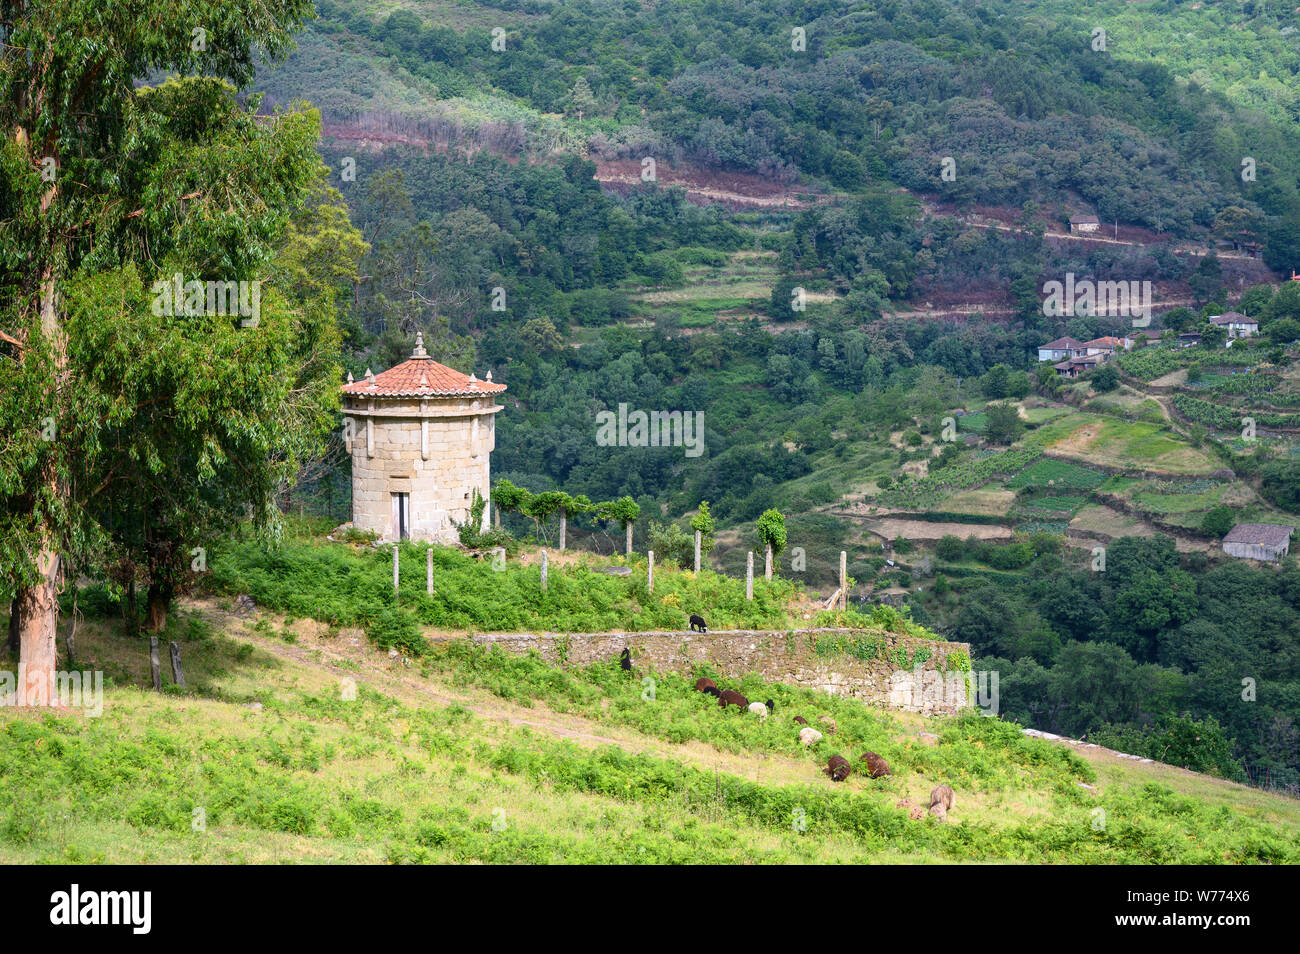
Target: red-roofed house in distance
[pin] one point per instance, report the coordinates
(420, 435)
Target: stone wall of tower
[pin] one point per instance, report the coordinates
(435, 450)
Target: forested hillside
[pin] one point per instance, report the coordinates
(826, 228)
(815, 161)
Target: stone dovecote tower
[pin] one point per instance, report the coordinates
(420, 436)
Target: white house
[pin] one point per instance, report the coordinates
(1084, 223)
(1236, 324)
(1108, 345)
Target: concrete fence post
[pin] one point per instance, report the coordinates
(749, 575)
(564, 523)
(697, 551)
(650, 571)
(428, 570)
(155, 668)
(396, 551)
(767, 562)
(844, 579)
(543, 571)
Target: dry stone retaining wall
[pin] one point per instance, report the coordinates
(883, 669)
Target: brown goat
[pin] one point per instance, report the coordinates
(729, 697)
(876, 766)
(704, 685)
(800, 720)
(838, 768)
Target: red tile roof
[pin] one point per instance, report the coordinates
(421, 376)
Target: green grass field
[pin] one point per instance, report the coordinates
(475, 756)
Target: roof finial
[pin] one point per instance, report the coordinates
(370, 377)
(489, 375)
(349, 377)
(419, 351)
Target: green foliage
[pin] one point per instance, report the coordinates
(339, 586)
(1194, 744)
(670, 542)
(771, 531)
(1218, 520)
(704, 524)
(1105, 379)
(1280, 483)
(165, 426)
(1003, 424)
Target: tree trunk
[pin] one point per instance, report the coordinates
(160, 601)
(70, 640)
(130, 611)
(38, 617)
(13, 626)
(39, 605)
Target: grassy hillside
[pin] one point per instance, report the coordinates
(474, 756)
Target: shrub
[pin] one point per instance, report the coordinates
(1218, 521)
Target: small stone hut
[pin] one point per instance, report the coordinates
(420, 435)
(1258, 541)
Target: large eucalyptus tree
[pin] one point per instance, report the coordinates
(108, 187)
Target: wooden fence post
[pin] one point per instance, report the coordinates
(543, 571)
(650, 571)
(177, 674)
(697, 551)
(155, 668)
(749, 575)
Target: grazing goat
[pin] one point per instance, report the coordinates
(838, 768)
(942, 801)
(698, 624)
(809, 736)
(729, 697)
(771, 705)
(800, 720)
(758, 709)
(625, 659)
(876, 766)
(706, 685)
(831, 725)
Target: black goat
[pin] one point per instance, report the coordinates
(698, 624)
(838, 768)
(625, 660)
